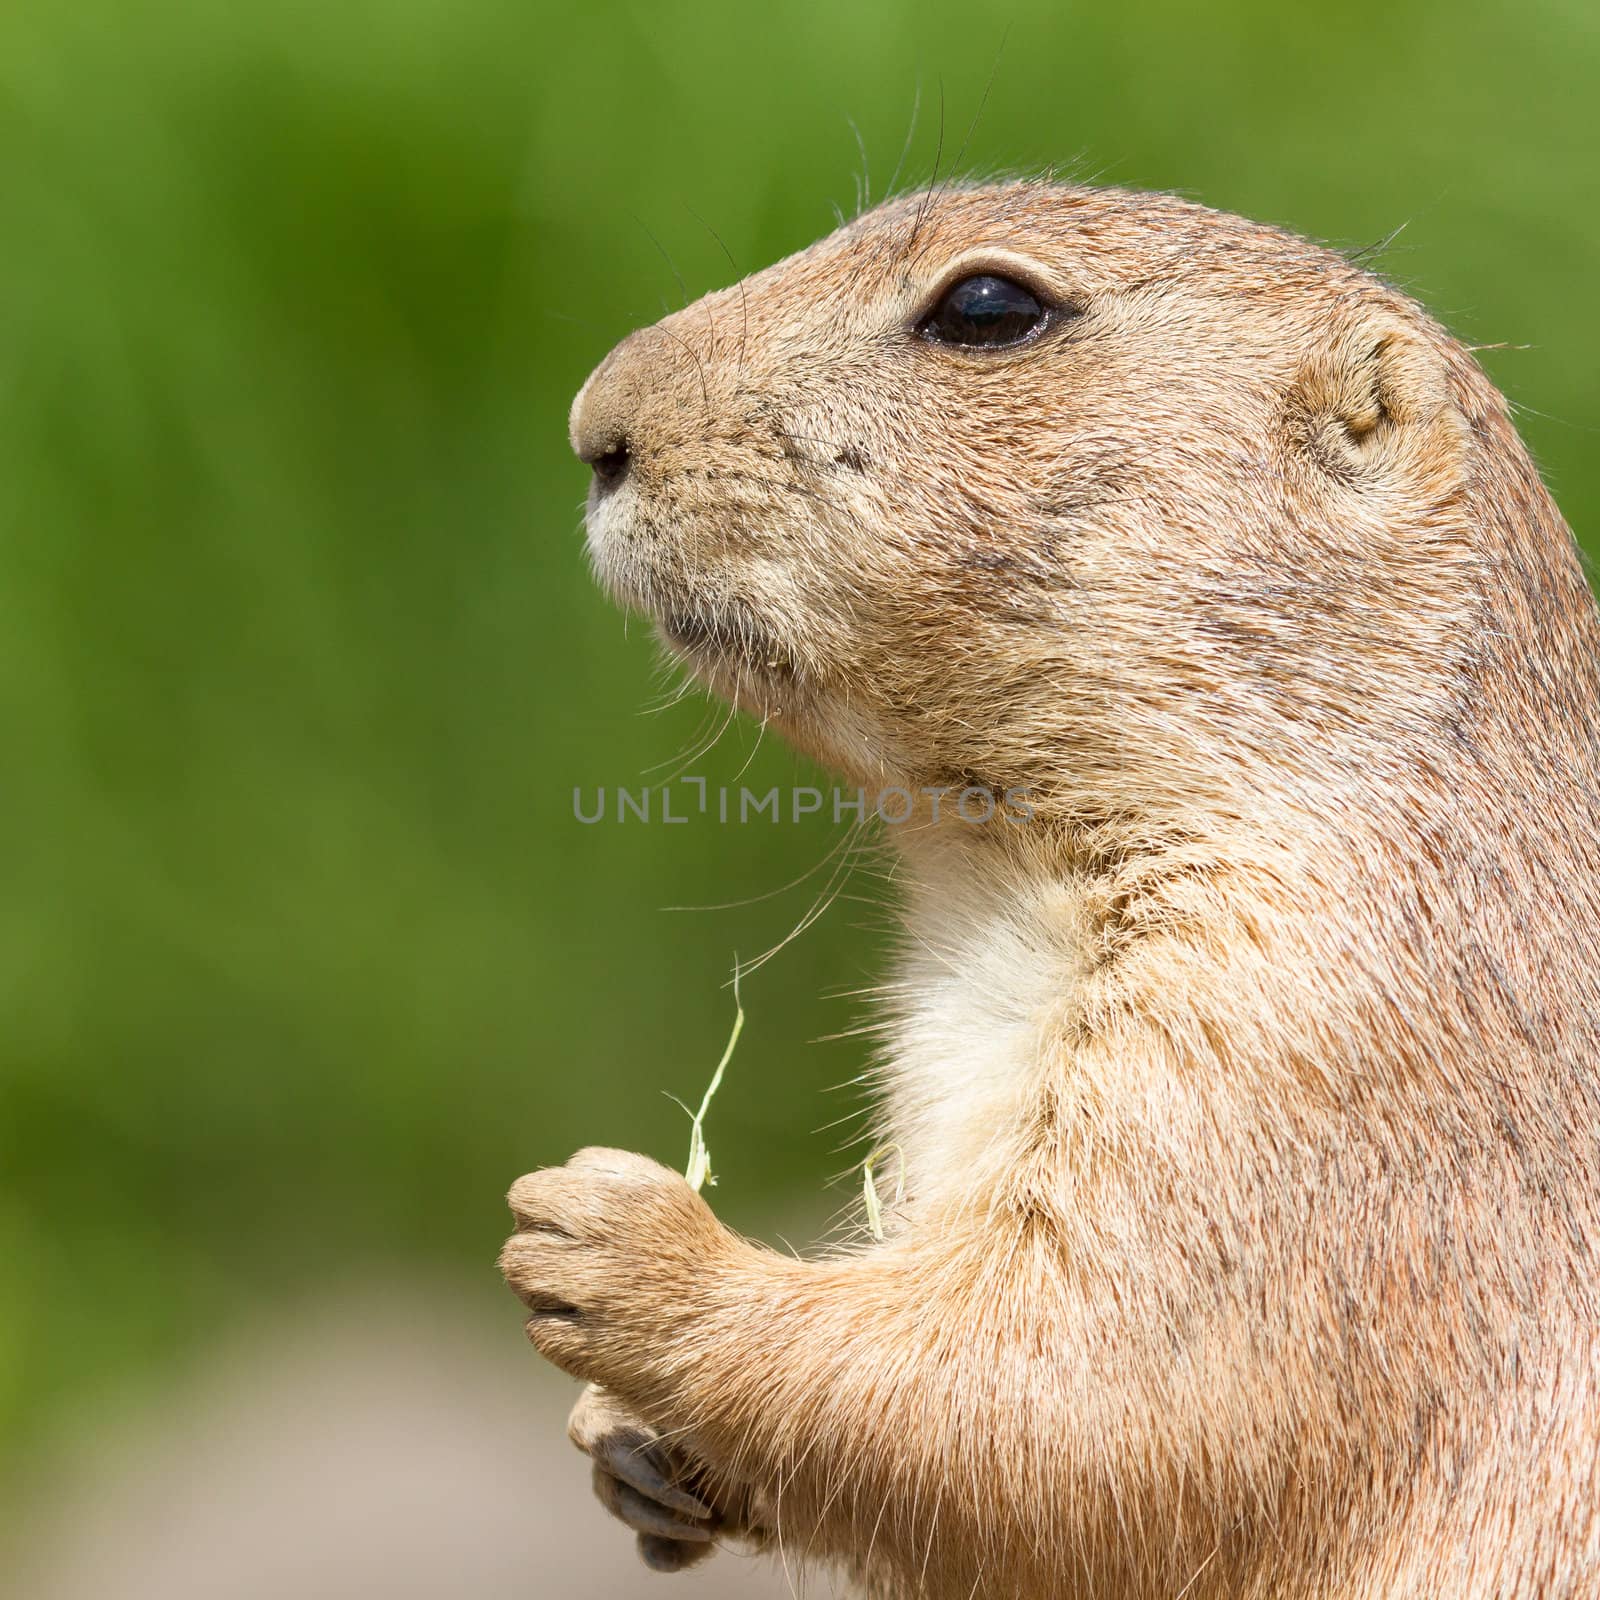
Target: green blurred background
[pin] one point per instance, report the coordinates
(304, 956)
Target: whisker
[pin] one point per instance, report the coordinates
(955, 165)
(983, 100)
(705, 391)
(911, 133)
(672, 267)
(819, 908)
(772, 894)
(938, 153)
(739, 278)
(864, 183)
(699, 733)
(804, 490)
(755, 749)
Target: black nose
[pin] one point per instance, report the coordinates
(610, 465)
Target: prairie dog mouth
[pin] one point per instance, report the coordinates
(731, 635)
(725, 633)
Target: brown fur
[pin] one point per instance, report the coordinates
(1248, 1093)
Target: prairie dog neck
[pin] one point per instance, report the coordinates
(995, 948)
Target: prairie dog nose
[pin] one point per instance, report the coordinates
(610, 465)
(605, 425)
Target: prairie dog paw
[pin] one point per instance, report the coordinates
(646, 1483)
(605, 1251)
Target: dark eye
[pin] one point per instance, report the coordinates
(983, 311)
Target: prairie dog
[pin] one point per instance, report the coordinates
(1248, 1093)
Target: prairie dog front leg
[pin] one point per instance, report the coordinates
(858, 1399)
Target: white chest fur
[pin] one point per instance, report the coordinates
(986, 983)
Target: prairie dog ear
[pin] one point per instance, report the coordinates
(1373, 404)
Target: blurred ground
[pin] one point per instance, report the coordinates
(372, 1447)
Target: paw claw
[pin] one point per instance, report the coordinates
(670, 1555)
(638, 1477)
(641, 1467)
(625, 1503)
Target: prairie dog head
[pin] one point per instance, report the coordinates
(1042, 486)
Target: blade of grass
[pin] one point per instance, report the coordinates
(869, 1186)
(698, 1170)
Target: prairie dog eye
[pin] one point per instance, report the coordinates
(985, 310)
